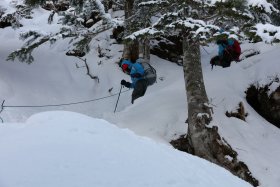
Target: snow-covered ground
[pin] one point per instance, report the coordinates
(55, 149)
(160, 115)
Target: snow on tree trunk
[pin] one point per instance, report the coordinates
(204, 141)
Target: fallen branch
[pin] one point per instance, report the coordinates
(88, 70)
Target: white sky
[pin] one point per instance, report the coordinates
(160, 115)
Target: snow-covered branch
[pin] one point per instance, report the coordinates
(147, 32)
(263, 5)
(267, 32)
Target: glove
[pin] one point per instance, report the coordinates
(126, 84)
(123, 82)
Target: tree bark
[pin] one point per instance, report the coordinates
(201, 140)
(146, 50)
(199, 113)
(131, 49)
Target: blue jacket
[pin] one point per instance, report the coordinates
(136, 71)
(222, 47)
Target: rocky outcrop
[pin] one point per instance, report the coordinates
(13, 19)
(169, 48)
(59, 6)
(76, 53)
(222, 154)
(265, 101)
(94, 18)
(118, 33)
(9, 20)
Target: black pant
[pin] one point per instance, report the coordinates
(224, 61)
(139, 90)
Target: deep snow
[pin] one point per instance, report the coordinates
(55, 149)
(54, 78)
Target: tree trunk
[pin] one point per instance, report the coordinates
(146, 50)
(131, 49)
(201, 140)
(108, 5)
(199, 113)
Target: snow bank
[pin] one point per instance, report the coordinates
(55, 149)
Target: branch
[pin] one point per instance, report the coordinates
(24, 54)
(50, 19)
(88, 70)
(118, 4)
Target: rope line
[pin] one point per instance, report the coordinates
(205, 50)
(54, 105)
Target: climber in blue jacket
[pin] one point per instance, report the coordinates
(136, 72)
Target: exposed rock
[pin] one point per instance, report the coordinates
(76, 53)
(169, 48)
(94, 18)
(223, 154)
(266, 104)
(13, 19)
(9, 20)
(58, 6)
(118, 33)
(89, 23)
(4, 23)
(62, 5)
(166, 48)
(49, 5)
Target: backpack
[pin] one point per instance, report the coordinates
(150, 74)
(236, 47)
(233, 49)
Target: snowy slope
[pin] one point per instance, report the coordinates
(55, 149)
(160, 115)
(255, 140)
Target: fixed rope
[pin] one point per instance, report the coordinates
(55, 105)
